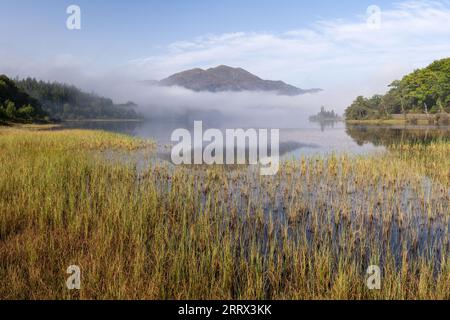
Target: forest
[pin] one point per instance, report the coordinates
(18, 106)
(65, 102)
(425, 91)
(31, 100)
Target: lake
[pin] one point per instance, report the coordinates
(308, 138)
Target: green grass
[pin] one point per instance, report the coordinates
(379, 121)
(412, 119)
(310, 232)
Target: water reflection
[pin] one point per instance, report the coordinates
(388, 135)
(305, 139)
(326, 124)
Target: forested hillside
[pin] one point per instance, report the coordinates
(62, 101)
(425, 90)
(16, 105)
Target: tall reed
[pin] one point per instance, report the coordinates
(164, 232)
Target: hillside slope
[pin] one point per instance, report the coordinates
(224, 78)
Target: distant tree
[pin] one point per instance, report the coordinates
(62, 101)
(324, 115)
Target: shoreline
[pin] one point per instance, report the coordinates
(103, 120)
(410, 119)
(379, 121)
(59, 124)
(394, 122)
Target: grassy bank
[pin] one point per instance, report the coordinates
(311, 231)
(411, 118)
(392, 122)
(379, 121)
(105, 120)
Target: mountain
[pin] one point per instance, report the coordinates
(224, 78)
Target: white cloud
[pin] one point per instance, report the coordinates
(338, 55)
(344, 57)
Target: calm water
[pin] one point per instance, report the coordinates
(307, 138)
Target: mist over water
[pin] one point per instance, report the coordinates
(306, 138)
(166, 109)
(252, 108)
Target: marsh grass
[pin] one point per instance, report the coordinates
(164, 232)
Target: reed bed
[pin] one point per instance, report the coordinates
(164, 232)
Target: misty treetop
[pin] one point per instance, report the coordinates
(325, 115)
(425, 90)
(62, 101)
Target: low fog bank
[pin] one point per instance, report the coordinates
(233, 109)
(243, 109)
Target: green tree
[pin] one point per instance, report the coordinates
(10, 109)
(26, 112)
(12, 97)
(62, 101)
(3, 115)
(422, 91)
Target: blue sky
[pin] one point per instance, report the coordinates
(136, 28)
(326, 44)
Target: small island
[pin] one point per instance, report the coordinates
(325, 116)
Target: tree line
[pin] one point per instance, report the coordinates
(62, 101)
(425, 90)
(30, 100)
(18, 106)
